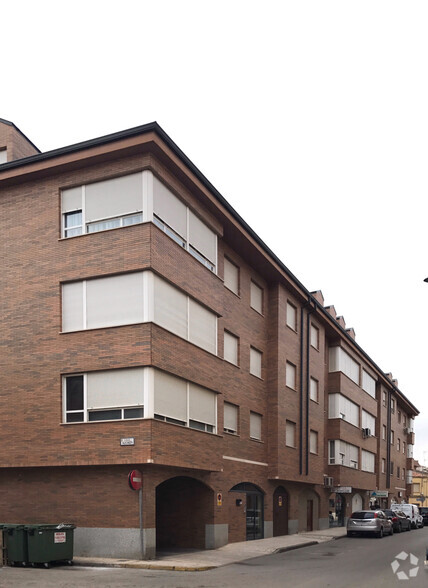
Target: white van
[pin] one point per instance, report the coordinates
(412, 512)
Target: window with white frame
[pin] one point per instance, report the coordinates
(231, 276)
(391, 440)
(367, 461)
(291, 316)
(120, 202)
(398, 444)
(383, 465)
(3, 156)
(392, 405)
(230, 353)
(184, 403)
(314, 389)
(404, 447)
(255, 362)
(256, 297)
(384, 432)
(104, 396)
(340, 361)
(101, 206)
(290, 375)
(290, 434)
(121, 300)
(340, 407)
(368, 421)
(230, 418)
(342, 453)
(255, 426)
(315, 336)
(384, 398)
(369, 384)
(313, 442)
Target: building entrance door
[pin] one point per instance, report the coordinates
(310, 515)
(280, 512)
(254, 516)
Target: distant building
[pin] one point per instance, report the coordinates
(146, 326)
(419, 492)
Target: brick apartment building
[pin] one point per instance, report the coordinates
(146, 326)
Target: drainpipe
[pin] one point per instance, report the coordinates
(301, 393)
(308, 346)
(388, 440)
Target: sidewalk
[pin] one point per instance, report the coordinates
(197, 561)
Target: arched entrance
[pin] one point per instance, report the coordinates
(357, 502)
(254, 509)
(280, 511)
(184, 506)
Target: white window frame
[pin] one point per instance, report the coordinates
(147, 304)
(259, 418)
(290, 434)
(314, 390)
(341, 361)
(256, 369)
(315, 337)
(232, 338)
(256, 291)
(233, 268)
(291, 318)
(368, 383)
(147, 215)
(290, 375)
(235, 408)
(313, 442)
(368, 461)
(147, 404)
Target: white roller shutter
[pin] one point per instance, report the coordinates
(116, 300)
(115, 197)
(72, 306)
(170, 396)
(115, 388)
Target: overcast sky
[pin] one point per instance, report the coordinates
(310, 117)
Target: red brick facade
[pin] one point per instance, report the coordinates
(78, 471)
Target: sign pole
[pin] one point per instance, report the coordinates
(140, 501)
(135, 481)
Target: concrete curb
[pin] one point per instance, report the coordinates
(88, 562)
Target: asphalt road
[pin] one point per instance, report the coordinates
(362, 562)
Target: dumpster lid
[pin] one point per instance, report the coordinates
(12, 526)
(52, 527)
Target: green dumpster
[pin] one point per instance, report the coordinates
(15, 543)
(49, 543)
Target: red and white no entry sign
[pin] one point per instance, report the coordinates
(135, 479)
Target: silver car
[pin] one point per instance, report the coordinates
(369, 521)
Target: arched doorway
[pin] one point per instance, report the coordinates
(357, 502)
(184, 506)
(254, 509)
(280, 511)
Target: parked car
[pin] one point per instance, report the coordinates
(374, 522)
(411, 511)
(399, 520)
(424, 512)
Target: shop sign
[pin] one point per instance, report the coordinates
(380, 493)
(343, 490)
